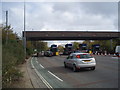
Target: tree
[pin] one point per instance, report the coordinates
(40, 45)
(13, 55)
(60, 48)
(106, 44)
(75, 45)
(88, 42)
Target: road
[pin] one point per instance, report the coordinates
(53, 74)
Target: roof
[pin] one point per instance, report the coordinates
(79, 53)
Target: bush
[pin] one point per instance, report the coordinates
(13, 55)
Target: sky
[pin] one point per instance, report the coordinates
(61, 16)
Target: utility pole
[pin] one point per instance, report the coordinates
(6, 18)
(6, 27)
(24, 39)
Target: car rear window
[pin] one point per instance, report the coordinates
(84, 56)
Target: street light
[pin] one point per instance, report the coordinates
(24, 32)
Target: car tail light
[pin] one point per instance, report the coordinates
(91, 55)
(78, 56)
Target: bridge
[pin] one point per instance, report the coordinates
(69, 35)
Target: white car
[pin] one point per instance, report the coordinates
(117, 51)
(80, 60)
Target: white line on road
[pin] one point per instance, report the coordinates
(36, 61)
(41, 65)
(55, 76)
(115, 57)
(44, 81)
(32, 63)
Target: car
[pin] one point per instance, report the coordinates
(80, 60)
(117, 51)
(77, 51)
(48, 53)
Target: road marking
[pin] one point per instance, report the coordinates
(36, 61)
(41, 65)
(32, 63)
(44, 81)
(55, 76)
(115, 57)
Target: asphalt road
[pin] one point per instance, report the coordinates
(53, 74)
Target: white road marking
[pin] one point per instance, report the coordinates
(32, 63)
(41, 65)
(115, 57)
(36, 61)
(55, 76)
(44, 81)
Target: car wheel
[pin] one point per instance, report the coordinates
(74, 68)
(65, 65)
(93, 68)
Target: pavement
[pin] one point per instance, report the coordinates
(30, 78)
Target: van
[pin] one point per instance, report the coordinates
(117, 51)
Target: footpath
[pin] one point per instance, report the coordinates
(30, 78)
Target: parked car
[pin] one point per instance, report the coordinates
(80, 60)
(48, 53)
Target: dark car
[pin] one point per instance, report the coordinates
(48, 53)
(77, 51)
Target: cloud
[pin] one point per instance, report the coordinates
(73, 16)
(64, 16)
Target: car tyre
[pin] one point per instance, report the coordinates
(74, 68)
(92, 68)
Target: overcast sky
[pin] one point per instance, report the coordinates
(67, 16)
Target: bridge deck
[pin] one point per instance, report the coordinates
(70, 35)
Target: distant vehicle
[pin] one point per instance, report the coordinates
(117, 51)
(96, 48)
(54, 49)
(48, 53)
(83, 47)
(68, 49)
(80, 60)
(77, 51)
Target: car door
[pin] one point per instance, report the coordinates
(67, 61)
(70, 60)
(73, 60)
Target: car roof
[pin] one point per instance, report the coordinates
(79, 53)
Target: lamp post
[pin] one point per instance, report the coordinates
(6, 26)
(24, 38)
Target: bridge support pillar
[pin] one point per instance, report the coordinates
(111, 46)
